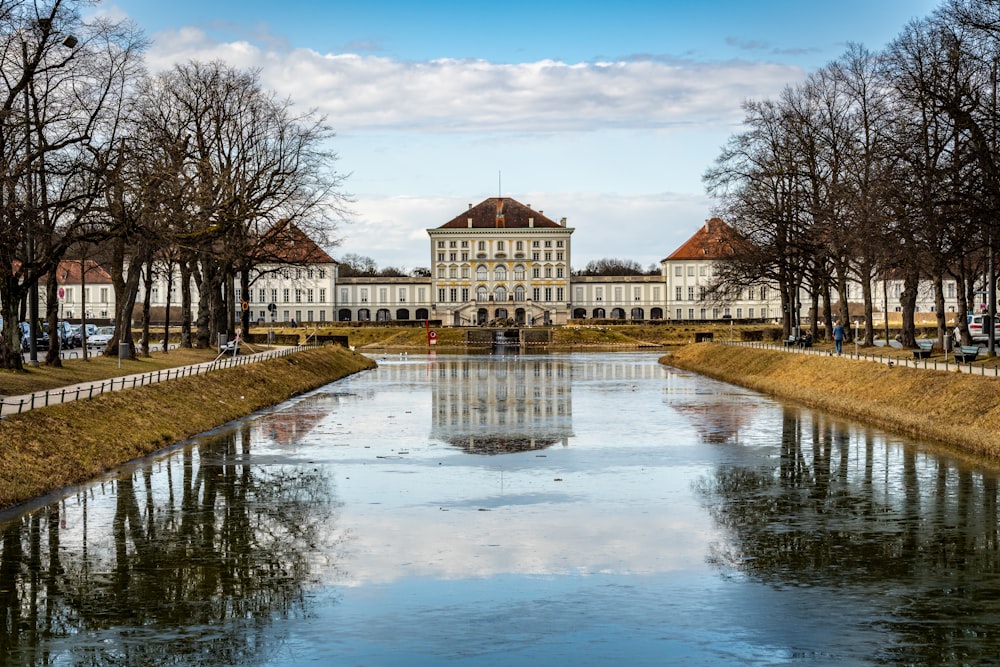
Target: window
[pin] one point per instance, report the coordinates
(598, 294)
(500, 246)
(690, 313)
(298, 296)
(481, 246)
(465, 256)
(559, 244)
(440, 256)
(548, 244)
(481, 293)
(548, 257)
(548, 294)
(262, 295)
(382, 295)
(691, 271)
(284, 293)
(274, 295)
(536, 272)
(481, 273)
(618, 293)
(536, 293)
(322, 276)
(453, 272)
(441, 294)
(322, 299)
(559, 272)
(559, 294)
(535, 256)
(500, 273)
(402, 295)
(519, 246)
(637, 294)
(451, 244)
(678, 270)
(465, 272)
(441, 272)
(548, 271)
(680, 314)
(750, 313)
(519, 293)
(343, 295)
(763, 294)
(702, 292)
(451, 256)
(579, 293)
(691, 293)
(309, 274)
(364, 295)
(678, 293)
(750, 294)
(440, 244)
(465, 294)
(298, 274)
(465, 244)
(559, 256)
(309, 295)
(739, 313)
(238, 293)
(500, 293)
(534, 244)
(104, 298)
(519, 272)
(453, 294)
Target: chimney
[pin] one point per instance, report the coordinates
(563, 222)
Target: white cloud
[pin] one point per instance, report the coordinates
(370, 92)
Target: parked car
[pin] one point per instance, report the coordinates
(101, 337)
(978, 332)
(41, 340)
(78, 333)
(65, 331)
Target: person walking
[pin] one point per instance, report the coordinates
(838, 337)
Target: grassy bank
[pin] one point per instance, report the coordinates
(955, 409)
(44, 450)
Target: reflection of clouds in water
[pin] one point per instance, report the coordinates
(468, 543)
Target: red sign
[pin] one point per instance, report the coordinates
(432, 337)
(62, 293)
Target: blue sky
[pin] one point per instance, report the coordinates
(606, 114)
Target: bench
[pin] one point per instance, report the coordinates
(966, 353)
(924, 349)
(790, 342)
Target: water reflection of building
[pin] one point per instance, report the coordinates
(496, 405)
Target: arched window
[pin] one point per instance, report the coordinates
(500, 273)
(500, 293)
(481, 293)
(519, 293)
(481, 272)
(519, 272)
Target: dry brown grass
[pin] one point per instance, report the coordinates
(48, 449)
(956, 409)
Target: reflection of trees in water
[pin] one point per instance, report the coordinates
(910, 535)
(190, 570)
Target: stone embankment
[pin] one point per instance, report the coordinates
(959, 410)
(54, 447)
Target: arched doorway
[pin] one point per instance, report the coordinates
(656, 313)
(618, 313)
(382, 315)
(344, 315)
(422, 314)
(519, 317)
(402, 314)
(364, 315)
(579, 313)
(599, 314)
(501, 314)
(481, 316)
(638, 314)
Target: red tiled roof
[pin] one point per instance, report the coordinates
(70, 270)
(715, 240)
(500, 213)
(290, 244)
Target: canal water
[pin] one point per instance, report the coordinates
(507, 509)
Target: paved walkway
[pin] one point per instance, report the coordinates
(12, 405)
(945, 363)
